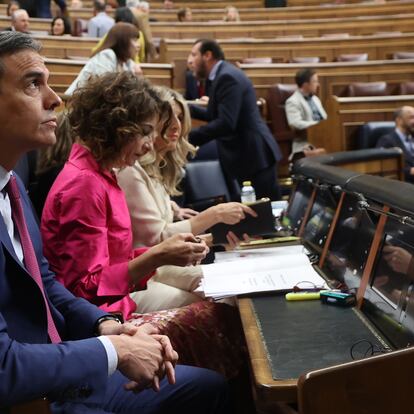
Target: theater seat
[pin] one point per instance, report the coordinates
(305, 59)
(369, 133)
(353, 57)
(335, 35)
(257, 60)
(407, 88)
(205, 185)
(403, 55)
(367, 89)
(276, 98)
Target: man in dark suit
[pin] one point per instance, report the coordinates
(247, 149)
(402, 137)
(53, 344)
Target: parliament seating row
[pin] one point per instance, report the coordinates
(64, 72)
(266, 29)
(334, 77)
(247, 14)
(378, 46)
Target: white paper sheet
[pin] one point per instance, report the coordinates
(279, 268)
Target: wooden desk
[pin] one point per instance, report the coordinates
(271, 28)
(64, 72)
(334, 77)
(380, 46)
(267, 389)
(305, 348)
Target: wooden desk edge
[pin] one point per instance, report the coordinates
(267, 388)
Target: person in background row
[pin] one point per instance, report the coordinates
(101, 23)
(402, 137)
(142, 19)
(168, 4)
(231, 14)
(76, 4)
(43, 8)
(19, 21)
(247, 150)
(60, 26)
(124, 14)
(185, 15)
(12, 6)
(304, 109)
(115, 54)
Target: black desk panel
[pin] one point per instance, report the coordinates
(302, 336)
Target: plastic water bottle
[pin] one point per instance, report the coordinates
(248, 194)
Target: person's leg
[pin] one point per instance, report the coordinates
(159, 296)
(196, 390)
(265, 184)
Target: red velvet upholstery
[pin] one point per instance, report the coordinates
(305, 59)
(407, 88)
(353, 57)
(403, 55)
(277, 96)
(257, 60)
(335, 35)
(367, 89)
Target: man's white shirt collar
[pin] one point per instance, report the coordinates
(214, 70)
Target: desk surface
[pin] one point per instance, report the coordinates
(286, 339)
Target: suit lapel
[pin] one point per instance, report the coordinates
(400, 144)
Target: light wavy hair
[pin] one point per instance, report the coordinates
(168, 167)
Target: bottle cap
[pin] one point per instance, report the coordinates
(246, 183)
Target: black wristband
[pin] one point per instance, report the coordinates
(103, 319)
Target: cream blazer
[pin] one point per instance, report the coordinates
(149, 207)
(103, 62)
(299, 116)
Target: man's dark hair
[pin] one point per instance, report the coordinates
(124, 14)
(303, 76)
(99, 5)
(13, 42)
(210, 45)
(398, 113)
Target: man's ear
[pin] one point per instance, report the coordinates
(208, 55)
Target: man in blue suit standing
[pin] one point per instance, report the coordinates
(53, 344)
(247, 149)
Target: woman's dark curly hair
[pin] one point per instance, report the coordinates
(106, 114)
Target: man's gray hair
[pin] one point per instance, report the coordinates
(13, 42)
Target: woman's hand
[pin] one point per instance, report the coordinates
(232, 213)
(182, 249)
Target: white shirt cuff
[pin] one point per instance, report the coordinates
(110, 353)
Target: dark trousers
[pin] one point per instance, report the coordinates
(197, 390)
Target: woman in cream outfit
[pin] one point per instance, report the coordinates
(148, 186)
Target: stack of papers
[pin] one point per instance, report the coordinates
(263, 270)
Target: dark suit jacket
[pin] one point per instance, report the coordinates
(245, 144)
(29, 368)
(393, 140)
